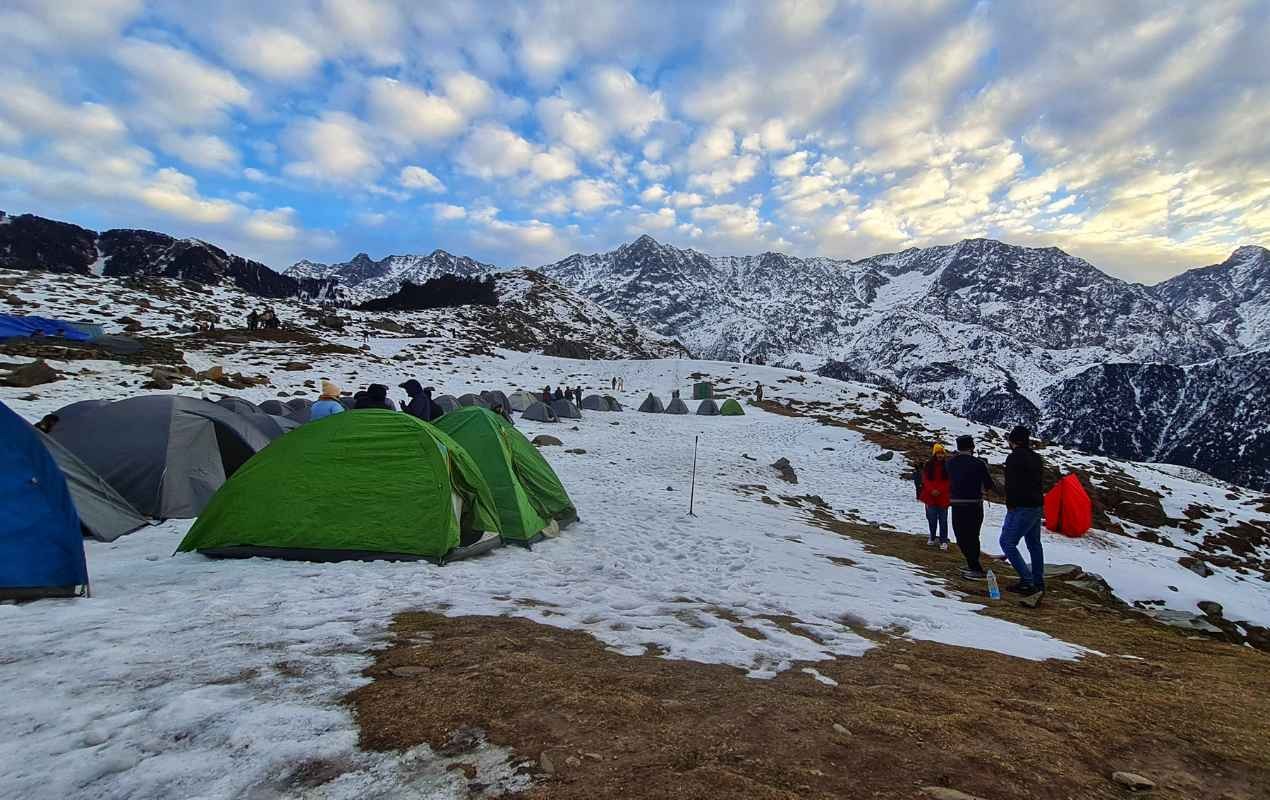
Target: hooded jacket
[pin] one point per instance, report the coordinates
(420, 405)
(376, 397)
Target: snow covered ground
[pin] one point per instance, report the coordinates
(188, 677)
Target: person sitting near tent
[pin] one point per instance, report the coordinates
(47, 423)
(559, 395)
(253, 320)
(931, 480)
(328, 402)
(376, 397)
(502, 412)
(968, 479)
(1024, 503)
(420, 405)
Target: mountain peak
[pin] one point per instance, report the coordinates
(1250, 252)
(646, 241)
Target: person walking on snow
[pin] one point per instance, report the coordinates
(1024, 503)
(931, 481)
(328, 402)
(968, 479)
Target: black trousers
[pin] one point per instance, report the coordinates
(967, 520)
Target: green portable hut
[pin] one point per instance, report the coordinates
(526, 491)
(369, 484)
(703, 391)
(731, 408)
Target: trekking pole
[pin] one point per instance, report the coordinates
(692, 491)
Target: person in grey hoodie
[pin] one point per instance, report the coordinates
(968, 480)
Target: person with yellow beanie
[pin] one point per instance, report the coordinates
(328, 402)
(931, 480)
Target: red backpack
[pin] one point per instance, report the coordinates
(1067, 508)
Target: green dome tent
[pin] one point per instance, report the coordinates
(731, 408)
(527, 493)
(360, 485)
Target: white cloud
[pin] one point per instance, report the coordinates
(448, 212)
(727, 176)
(31, 111)
(624, 101)
(493, 151)
(176, 194)
(790, 166)
(590, 194)
(468, 93)
(333, 147)
(177, 89)
(415, 177)
(200, 150)
(564, 123)
(371, 219)
(686, 199)
(654, 172)
(663, 219)
(555, 164)
(408, 112)
(41, 24)
(711, 146)
(275, 54)
(653, 194)
(276, 226)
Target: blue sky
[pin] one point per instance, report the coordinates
(1134, 134)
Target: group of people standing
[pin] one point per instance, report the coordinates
(420, 403)
(571, 393)
(960, 483)
(263, 320)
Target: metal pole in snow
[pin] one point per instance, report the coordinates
(692, 491)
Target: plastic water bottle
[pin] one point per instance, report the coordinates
(994, 590)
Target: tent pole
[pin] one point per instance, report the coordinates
(692, 491)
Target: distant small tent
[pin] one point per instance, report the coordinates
(353, 487)
(41, 546)
(493, 397)
(731, 408)
(677, 406)
(447, 403)
(708, 408)
(540, 412)
(238, 405)
(565, 409)
(298, 409)
(652, 405)
(612, 403)
(529, 497)
(166, 454)
(468, 400)
(104, 514)
(13, 326)
(595, 402)
(521, 400)
(703, 391)
(271, 425)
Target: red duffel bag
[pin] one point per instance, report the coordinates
(1067, 508)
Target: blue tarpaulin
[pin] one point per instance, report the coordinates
(13, 326)
(41, 544)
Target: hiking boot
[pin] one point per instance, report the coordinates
(930, 542)
(1033, 600)
(1019, 587)
(974, 574)
(943, 546)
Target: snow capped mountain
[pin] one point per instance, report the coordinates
(362, 278)
(1232, 297)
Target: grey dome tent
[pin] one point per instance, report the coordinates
(495, 397)
(275, 407)
(103, 513)
(652, 405)
(470, 399)
(565, 409)
(298, 409)
(167, 455)
(708, 408)
(238, 405)
(521, 400)
(271, 425)
(677, 406)
(595, 402)
(79, 407)
(540, 412)
(447, 403)
(612, 403)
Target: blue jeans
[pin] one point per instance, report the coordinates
(937, 517)
(1024, 524)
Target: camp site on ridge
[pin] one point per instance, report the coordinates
(339, 652)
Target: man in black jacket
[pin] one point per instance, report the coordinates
(968, 479)
(420, 404)
(1024, 508)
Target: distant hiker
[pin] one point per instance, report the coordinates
(931, 480)
(758, 397)
(559, 395)
(968, 479)
(420, 404)
(547, 396)
(253, 320)
(1024, 502)
(376, 397)
(47, 423)
(328, 402)
(614, 389)
(621, 384)
(577, 396)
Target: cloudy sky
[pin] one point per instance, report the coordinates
(1134, 134)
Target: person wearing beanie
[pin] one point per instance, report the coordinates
(968, 479)
(420, 405)
(1024, 502)
(328, 402)
(931, 480)
(376, 397)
